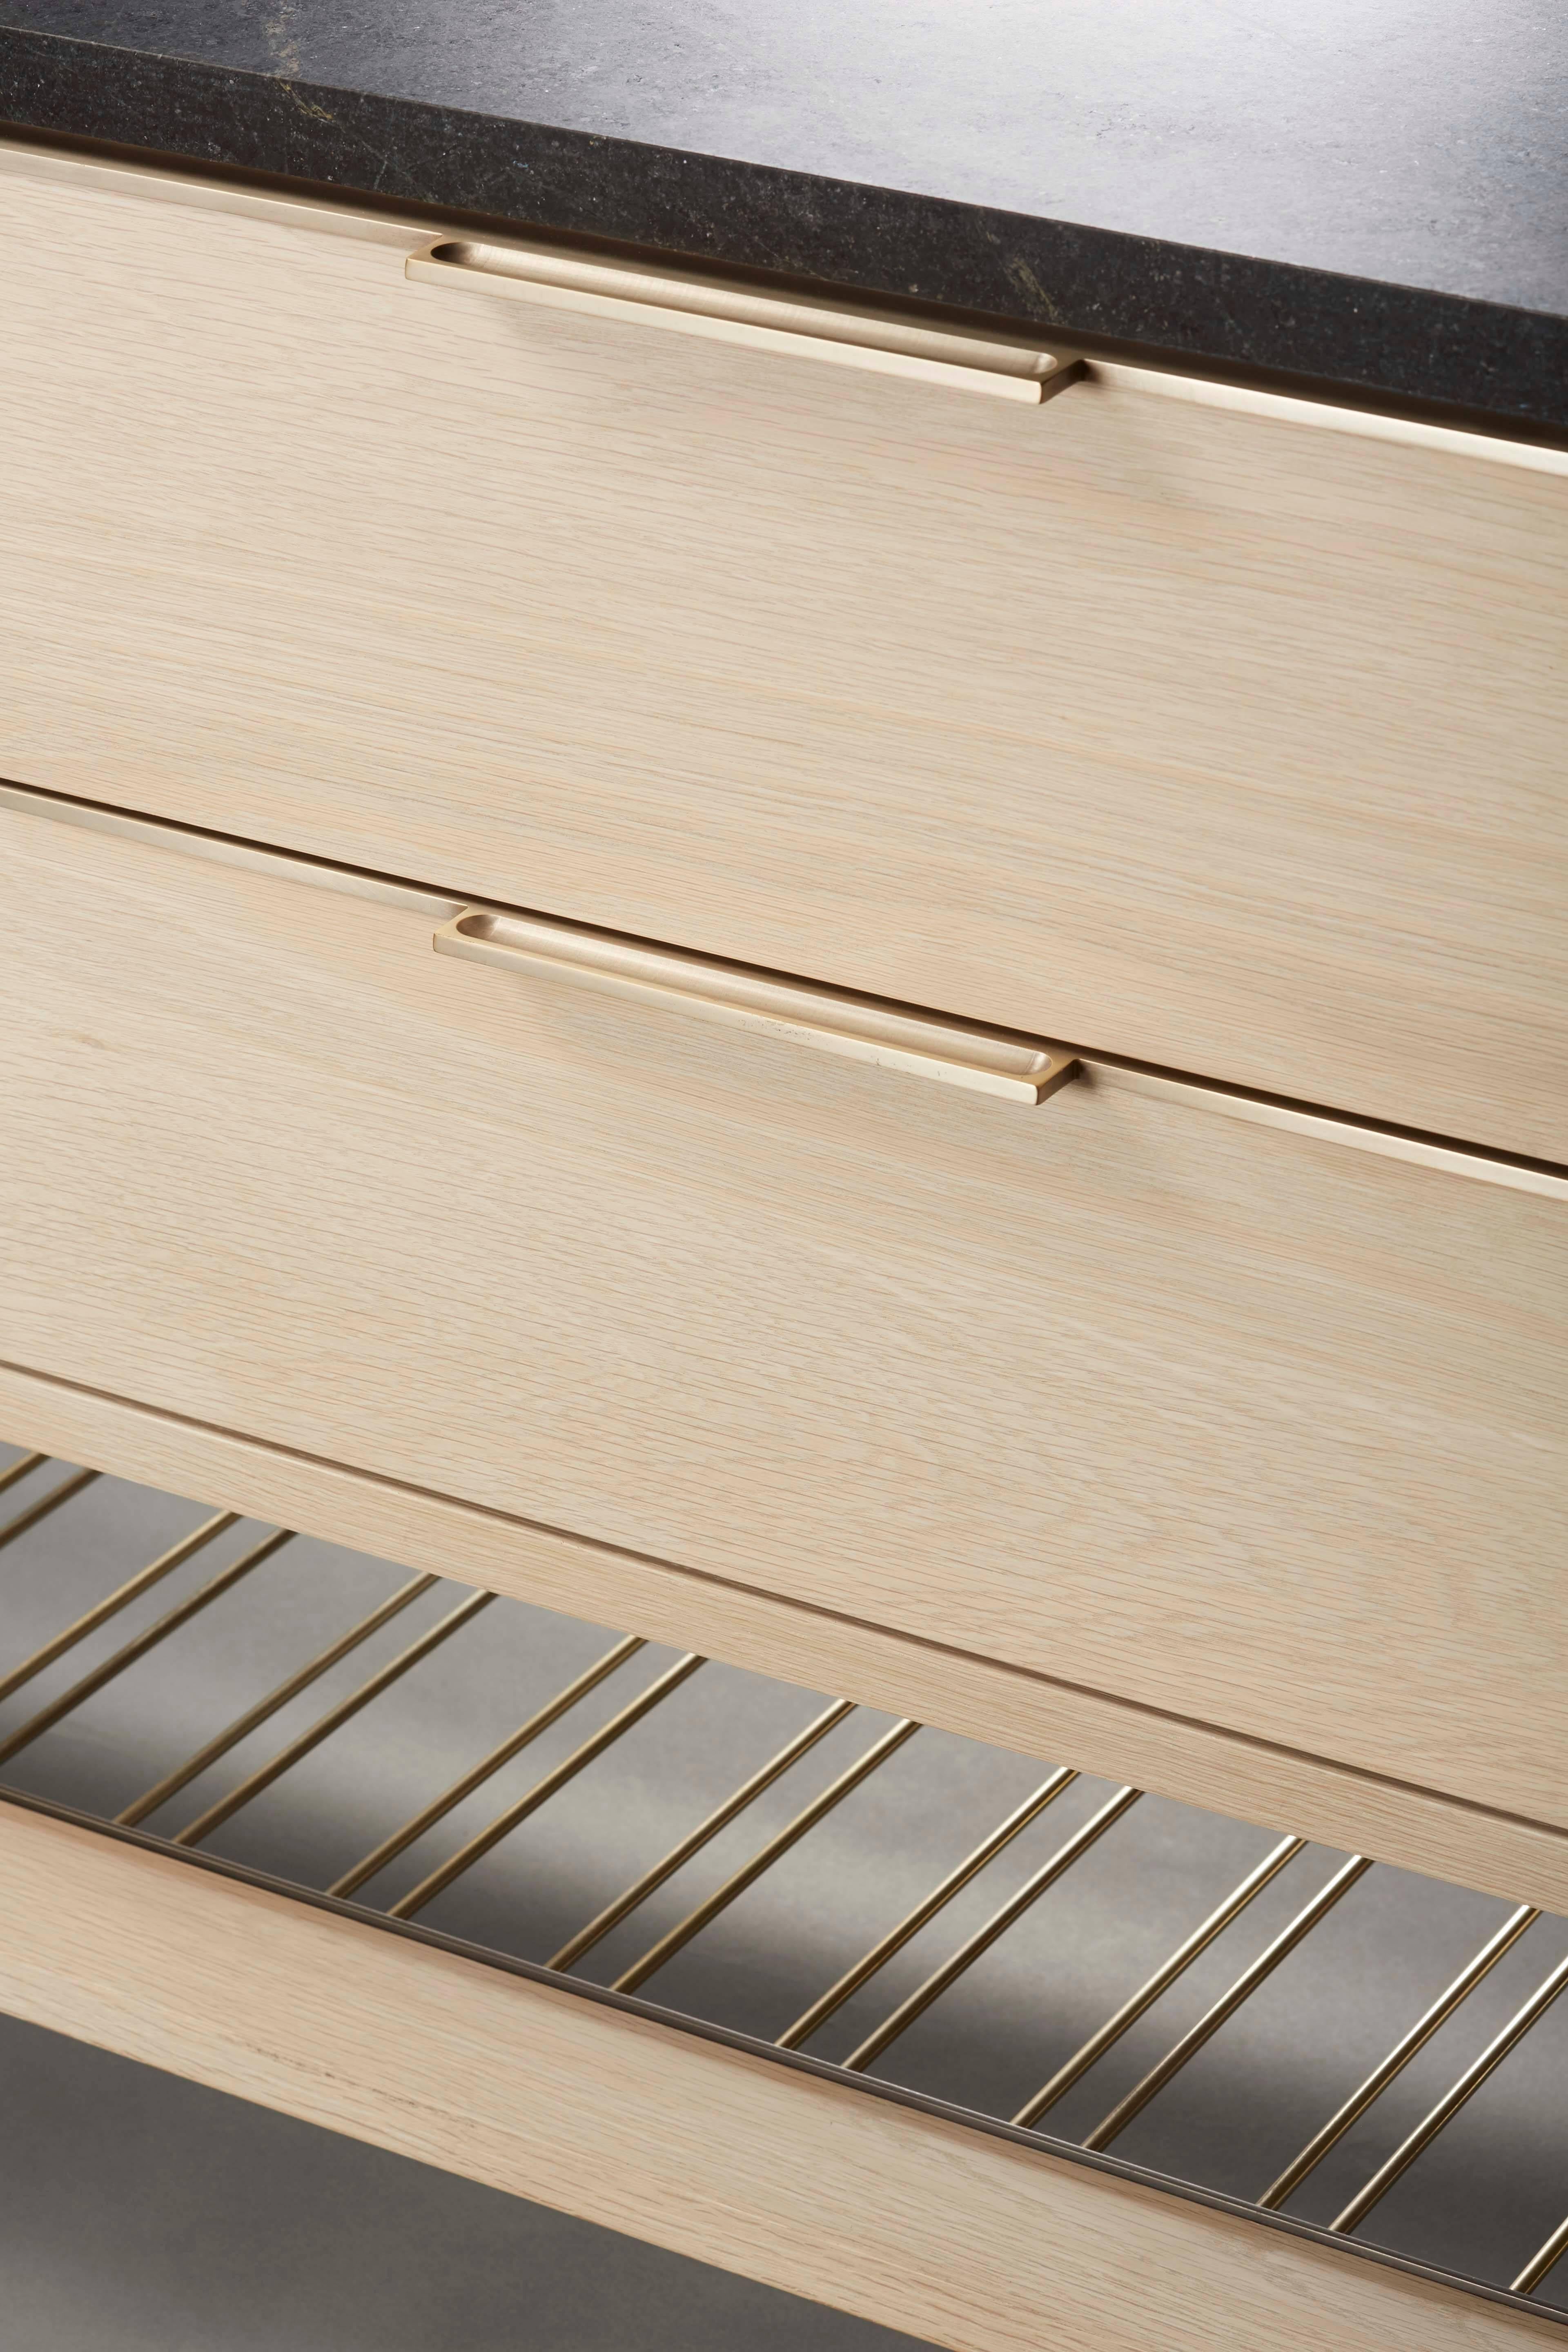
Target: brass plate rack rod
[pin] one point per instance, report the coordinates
(254, 1718)
(45, 1503)
(681, 1852)
(1246, 1984)
(1164, 1975)
(542, 1791)
(1544, 2259)
(937, 1983)
(898, 1934)
(681, 1933)
(1472, 1974)
(127, 1657)
(336, 1717)
(120, 1598)
(21, 1468)
(370, 1864)
(1452, 2100)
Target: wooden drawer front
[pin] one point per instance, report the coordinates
(1225, 1421)
(1203, 736)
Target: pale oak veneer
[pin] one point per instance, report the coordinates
(1189, 731)
(1229, 1425)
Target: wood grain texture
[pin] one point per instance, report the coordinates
(1222, 1421)
(867, 1028)
(984, 1699)
(1177, 730)
(963, 2241)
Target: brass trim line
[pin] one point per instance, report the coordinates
(937, 1983)
(765, 1856)
(127, 1657)
(20, 1468)
(1246, 1984)
(244, 1725)
(1545, 2259)
(542, 1791)
(790, 326)
(226, 848)
(1164, 1975)
(693, 1842)
(898, 1934)
(512, 1745)
(45, 1503)
(286, 1758)
(1452, 2100)
(833, 1020)
(1399, 2057)
(122, 1598)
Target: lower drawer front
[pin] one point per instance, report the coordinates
(1225, 1421)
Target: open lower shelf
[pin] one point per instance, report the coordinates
(1342, 2049)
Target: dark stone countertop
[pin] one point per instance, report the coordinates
(1368, 194)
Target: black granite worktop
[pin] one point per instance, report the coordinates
(1368, 194)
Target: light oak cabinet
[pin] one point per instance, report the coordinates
(1197, 733)
(1188, 759)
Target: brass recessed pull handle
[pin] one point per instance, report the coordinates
(819, 327)
(987, 1061)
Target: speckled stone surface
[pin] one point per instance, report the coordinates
(1367, 193)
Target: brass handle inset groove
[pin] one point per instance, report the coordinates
(836, 1021)
(820, 326)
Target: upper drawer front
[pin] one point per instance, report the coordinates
(1208, 738)
(1221, 1419)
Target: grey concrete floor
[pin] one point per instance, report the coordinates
(139, 2213)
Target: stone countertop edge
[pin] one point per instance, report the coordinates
(1481, 362)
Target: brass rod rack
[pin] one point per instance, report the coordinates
(858, 1981)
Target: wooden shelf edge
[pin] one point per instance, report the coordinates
(1416, 1829)
(902, 2216)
